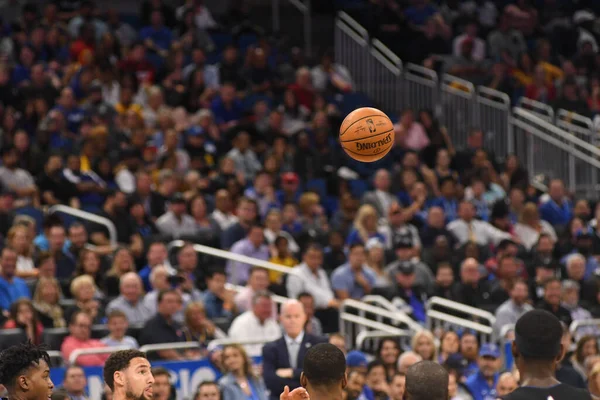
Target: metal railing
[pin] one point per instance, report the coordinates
(222, 342)
(100, 350)
(275, 297)
(363, 337)
(461, 107)
(382, 302)
(304, 7)
(353, 326)
(480, 321)
(88, 216)
(350, 327)
(585, 327)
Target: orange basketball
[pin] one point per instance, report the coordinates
(367, 134)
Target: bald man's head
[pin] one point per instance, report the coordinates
(406, 360)
(293, 318)
(131, 287)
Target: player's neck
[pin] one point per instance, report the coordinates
(119, 395)
(15, 396)
(324, 394)
(540, 376)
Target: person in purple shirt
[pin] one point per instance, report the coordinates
(354, 279)
(11, 287)
(253, 245)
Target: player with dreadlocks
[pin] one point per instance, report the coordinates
(25, 372)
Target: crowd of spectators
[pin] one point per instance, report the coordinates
(544, 50)
(171, 133)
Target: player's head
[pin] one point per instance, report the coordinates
(324, 368)
(426, 380)
(128, 372)
(538, 337)
(25, 372)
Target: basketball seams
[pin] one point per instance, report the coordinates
(360, 119)
(367, 137)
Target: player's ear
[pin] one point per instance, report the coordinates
(23, 383)
(303, 380)
(344, 380)
(514, 350)
(119, 378)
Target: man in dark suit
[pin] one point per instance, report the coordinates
(283, 358)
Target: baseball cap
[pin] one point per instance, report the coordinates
(356, 358)
(406, 268)
(489, 350)
(290, 177)
(404, 243)
(373, 243)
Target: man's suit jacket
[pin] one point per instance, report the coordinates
(275, 356)
(372, 199)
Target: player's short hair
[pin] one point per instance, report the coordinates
(427, 380)
(324, 365)
(538, 335)
(118, 361)
(15, 360)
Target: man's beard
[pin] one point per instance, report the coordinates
(129, 395)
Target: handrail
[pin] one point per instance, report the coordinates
(381, 301)
(490, 96)
(351, 22)
(505, 329)
(344, 316)
(465, 323)
(575, 325)
(418, 73)
(536, 107)
(99, 350)
(385, 56)
(397, 316)
(221, 342)
(572, 116)
(200, 248)
(448, 80)
(564, 137)
(456, 306)
(275, 297)
(304, 7)
(112, 230)
(169, 346)
(364, 335)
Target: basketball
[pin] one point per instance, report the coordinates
(367, 134)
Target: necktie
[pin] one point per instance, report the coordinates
(293, 350)
(471, 232)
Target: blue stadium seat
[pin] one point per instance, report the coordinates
(221, 40)
(331, 205)
(11, 337)
(34, 213)
(318, 186)
(358, 187)
(246, 40)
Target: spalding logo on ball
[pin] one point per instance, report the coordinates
(367, 134)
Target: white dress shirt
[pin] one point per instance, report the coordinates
(478, 231)
(304, 280)
(247, 326)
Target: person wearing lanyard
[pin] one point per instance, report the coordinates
(239, 382)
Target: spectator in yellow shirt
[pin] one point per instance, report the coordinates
(282, 256)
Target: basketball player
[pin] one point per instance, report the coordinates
(25, 372)
(323, 377)
(426, 380)
(128, 375)
(537, 350)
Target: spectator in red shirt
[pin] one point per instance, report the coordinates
(80, 329)
(137, 64)
(23, 316)
(303, 89)
(540, 90)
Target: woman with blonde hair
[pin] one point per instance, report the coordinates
(86, 296)
(46, 302)
(312, 215)
(18, 238)
(239, 382)
(531, 226)
(423, 343)
(122, 264)
(365, 226)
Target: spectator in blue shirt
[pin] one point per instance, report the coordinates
(558, 210)
(11, 287)
(157, 37)
(218, 301)
(482, 384)
(70, 110)
(226, 108)
(354, 279)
